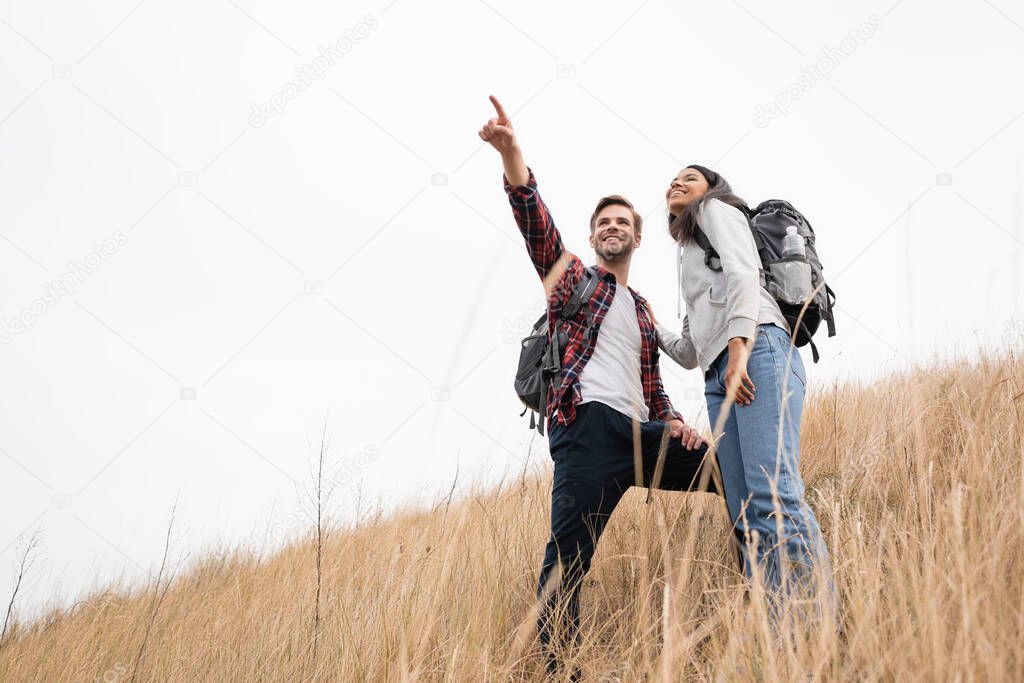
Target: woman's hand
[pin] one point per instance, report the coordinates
(737, 381)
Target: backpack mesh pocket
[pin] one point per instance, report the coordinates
(789, 280)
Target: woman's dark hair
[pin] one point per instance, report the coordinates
(684, 226)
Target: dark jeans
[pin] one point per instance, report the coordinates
(594, 466)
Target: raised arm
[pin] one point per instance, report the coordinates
(499, 133)
(543, 241)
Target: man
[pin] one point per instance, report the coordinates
(609, 380)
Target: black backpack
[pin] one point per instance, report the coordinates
(540, 361)
(782, 276)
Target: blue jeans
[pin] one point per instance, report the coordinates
(760, 445)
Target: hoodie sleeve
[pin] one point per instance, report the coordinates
(678, 347)
(728, 232)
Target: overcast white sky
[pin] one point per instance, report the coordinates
(352, 256)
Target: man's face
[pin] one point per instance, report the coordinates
(613, 236)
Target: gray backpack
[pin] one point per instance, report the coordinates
(790, 279)
(540, 361)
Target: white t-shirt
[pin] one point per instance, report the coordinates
(612, 375)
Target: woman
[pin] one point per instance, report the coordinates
(759, 448)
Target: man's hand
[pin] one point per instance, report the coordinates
(498, 131)
(499, 134)
(689, 436)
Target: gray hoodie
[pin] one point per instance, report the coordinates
(722, 304)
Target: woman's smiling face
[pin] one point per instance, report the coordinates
(688, 186)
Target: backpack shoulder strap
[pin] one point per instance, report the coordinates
(581, 295)
(830, 319)
(709, 252)
(551, 363)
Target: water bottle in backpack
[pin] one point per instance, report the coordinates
(790, 276)
(793, 243)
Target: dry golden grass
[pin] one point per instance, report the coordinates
(916, 480)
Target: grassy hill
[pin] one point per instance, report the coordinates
(917, 482)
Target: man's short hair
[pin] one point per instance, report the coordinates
(617, 200)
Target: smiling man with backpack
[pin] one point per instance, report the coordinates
(611, 425)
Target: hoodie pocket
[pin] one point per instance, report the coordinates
(716, 295)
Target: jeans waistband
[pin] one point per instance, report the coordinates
(707, 373)
(711, 365)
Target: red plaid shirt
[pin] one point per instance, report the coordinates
(544, 244)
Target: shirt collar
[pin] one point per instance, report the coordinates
(602, 273)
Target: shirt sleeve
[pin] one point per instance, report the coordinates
(543, 241)
(728, 232)
(678, 347)
(661, 405)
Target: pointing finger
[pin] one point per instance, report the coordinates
(502, 116)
